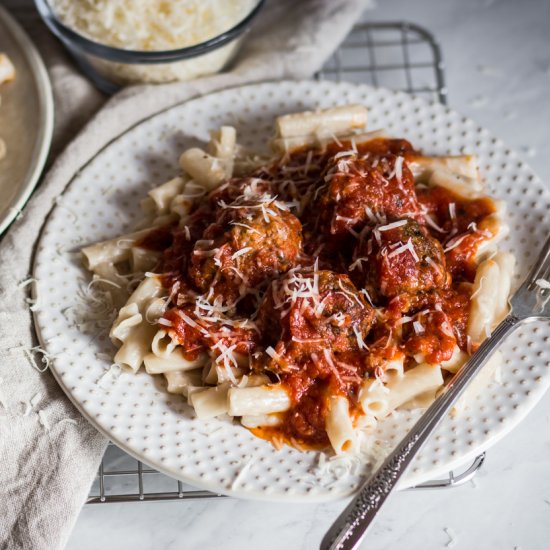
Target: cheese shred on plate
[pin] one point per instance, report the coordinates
(151, 25)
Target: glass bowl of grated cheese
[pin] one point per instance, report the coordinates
(121, 42)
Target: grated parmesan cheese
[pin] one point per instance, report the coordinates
(186, 318)
(242, 473)
(397, 171)
(455, 242)
(408, 246)
(109, 376)
(452, 211)
(359, 337)
(250, 228)
(392, 225)
(357, 264)
(474, 294)
(330, 362)
(45, 358)
(367, 296)
(403, 320)
(341, 154)
(26, 282)
(350, 295)
(228, 360)
(430, 221)
(433, 264)
(241, 252)
(155, 25)
(306, 340)
(374, 217)
(272, 353)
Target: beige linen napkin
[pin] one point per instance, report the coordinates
(48, 453)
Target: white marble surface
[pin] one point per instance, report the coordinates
(498, 71)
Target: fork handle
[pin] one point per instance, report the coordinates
(349, 529)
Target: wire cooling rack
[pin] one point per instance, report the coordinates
(398, 55)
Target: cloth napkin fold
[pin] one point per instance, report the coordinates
(49, 454)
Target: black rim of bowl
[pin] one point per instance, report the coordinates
(75, 40)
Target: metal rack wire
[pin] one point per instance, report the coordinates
(395, 55)
(123, 479)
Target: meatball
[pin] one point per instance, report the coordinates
(310, 310)
(247, 244)
(400, 257)
(361, 190)
(441, 324)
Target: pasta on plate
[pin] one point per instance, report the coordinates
(313, 292)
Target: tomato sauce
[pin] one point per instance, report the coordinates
(304, 424)
(157, 239)
(464, 224)
(196, 337)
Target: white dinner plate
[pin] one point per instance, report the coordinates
(137, 413)
(26, 120)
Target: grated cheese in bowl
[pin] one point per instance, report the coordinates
(151, 25)
(122, 42)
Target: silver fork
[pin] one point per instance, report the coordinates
(529, 303)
